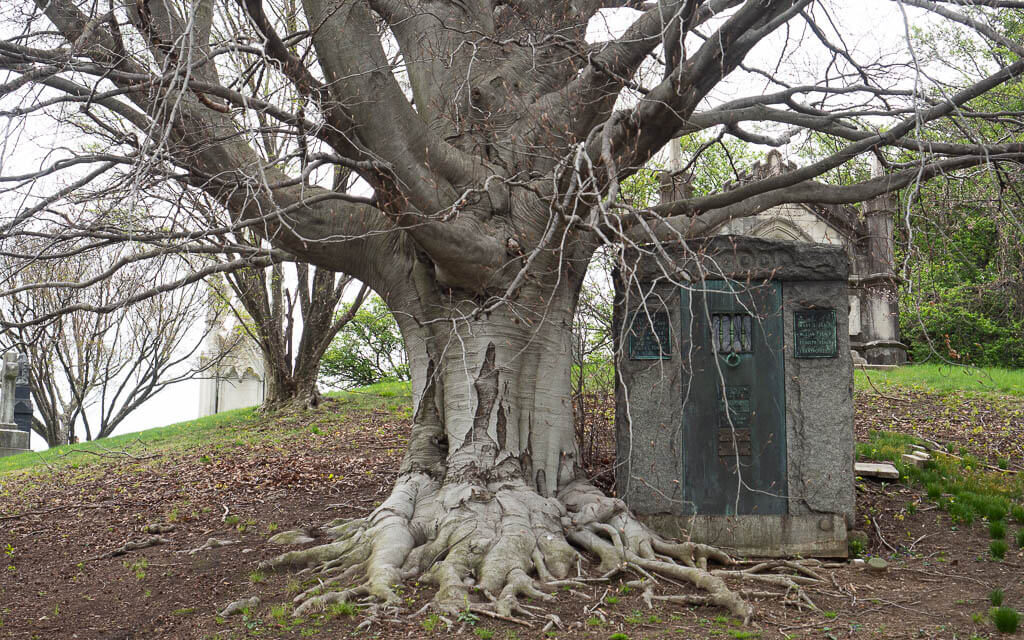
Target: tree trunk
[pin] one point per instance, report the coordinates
(287, 389)
(489, 494)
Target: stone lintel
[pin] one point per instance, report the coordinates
(770, 536)
(745, 258)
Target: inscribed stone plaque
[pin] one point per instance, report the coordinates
(650, 337)
(814, 332)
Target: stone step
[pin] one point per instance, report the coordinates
(915, 459)
(883, 470)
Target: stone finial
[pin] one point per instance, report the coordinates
(772, 165)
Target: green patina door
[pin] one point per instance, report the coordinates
(734, 403)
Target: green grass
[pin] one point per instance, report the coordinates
(995, 596)
(998, 548)
(1006, 619)
(997, 529)
(342, 609)
(201, 433)
(963, 487)
(944, 379)
(1017, 513)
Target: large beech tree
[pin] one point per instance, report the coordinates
(490, 139)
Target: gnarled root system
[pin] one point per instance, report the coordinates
(505, 542)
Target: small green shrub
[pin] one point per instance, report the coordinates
(995, 510)
(618, 636)
(995, 596)
(279, 612)
(483, 634)
(1006, 619)
(961, 512)
(998, 549)
(1017, 513)
(934, 490)
(1020, 538)
(997, 529)
(856, 548)
(430, 622)
(342, 609)
(611, 600)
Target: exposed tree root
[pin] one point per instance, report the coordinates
(486, 547)
(128, 547)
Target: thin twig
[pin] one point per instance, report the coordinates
(878, 530)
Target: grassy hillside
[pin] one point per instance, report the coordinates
(944, 379)
(209, 431)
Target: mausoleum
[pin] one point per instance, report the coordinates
(234, 370)
(734, 394)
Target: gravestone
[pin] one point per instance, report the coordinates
(23, 395)
(15, 398)
(734, 412)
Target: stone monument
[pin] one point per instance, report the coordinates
(734, 394)
(15, 405)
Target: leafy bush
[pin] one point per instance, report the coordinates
(998, 549)
(967, 324)
(368, 350)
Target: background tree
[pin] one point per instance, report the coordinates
(367, 350)
(593, 368)
(961, 239)
(490, 141)
(274, 310)
(90, 371)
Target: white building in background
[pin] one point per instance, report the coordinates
(238, 377)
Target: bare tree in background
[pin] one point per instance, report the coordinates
(490, 140)
(90, 371)
(272, 310)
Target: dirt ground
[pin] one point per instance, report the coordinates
(61, 525)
